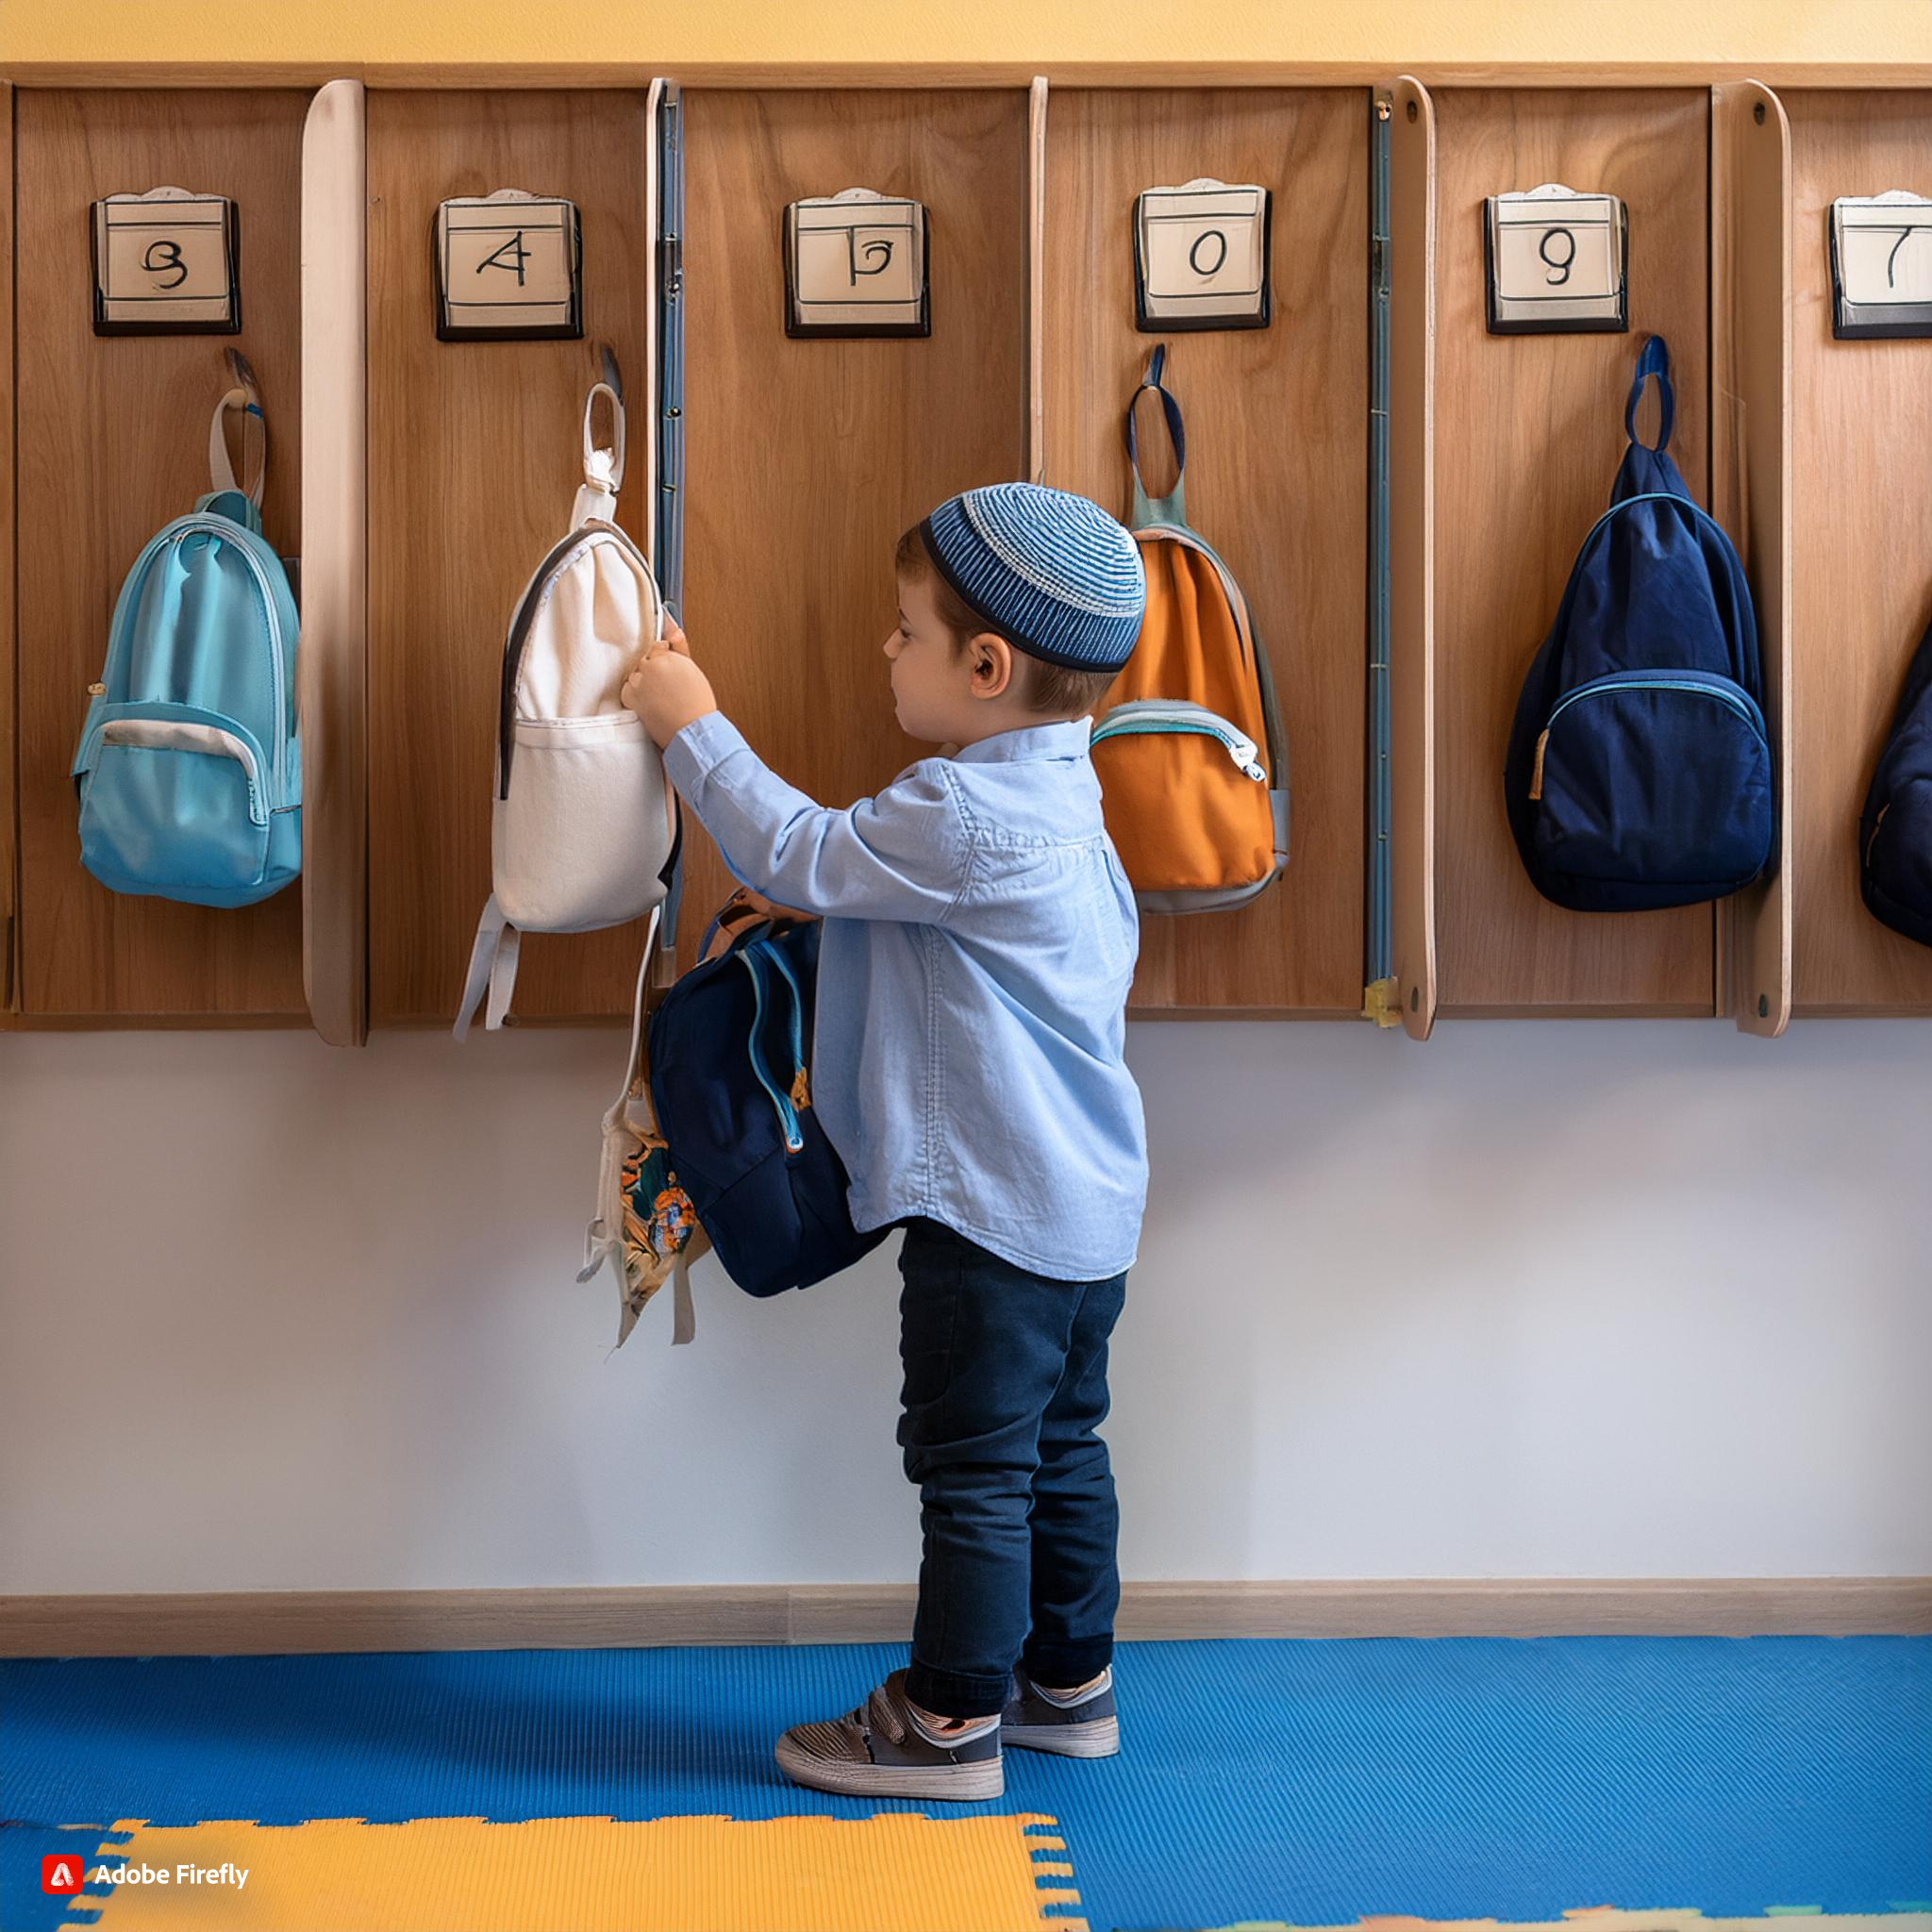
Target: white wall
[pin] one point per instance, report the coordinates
(1556, 1299)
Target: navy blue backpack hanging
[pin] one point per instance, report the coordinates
(733, 1101)
(1896, 828)
(1639, 772)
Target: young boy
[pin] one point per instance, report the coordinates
(979, 941)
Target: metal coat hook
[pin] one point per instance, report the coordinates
(607, 364)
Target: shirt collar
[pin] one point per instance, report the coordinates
(1063, 738)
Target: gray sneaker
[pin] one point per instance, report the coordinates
(1035, 1722)
(881, 1750)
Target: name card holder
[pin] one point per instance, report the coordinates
(166, 262)
(509, 268)
(1202, 257)
(1881, 265)
(857, 263)
(1555, 261)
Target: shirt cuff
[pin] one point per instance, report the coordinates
(695, 748)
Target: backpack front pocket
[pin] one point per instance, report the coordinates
(175, 808)
(1186, 797)
(1657, 779)
(579, 824)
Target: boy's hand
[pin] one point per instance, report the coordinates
(665, 688)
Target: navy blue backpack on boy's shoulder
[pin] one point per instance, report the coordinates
(1896, 828)
(733, 1101)
(1639, 772)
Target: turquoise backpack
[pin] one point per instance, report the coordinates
(189, 770)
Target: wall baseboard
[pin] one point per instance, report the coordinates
(235, 1623)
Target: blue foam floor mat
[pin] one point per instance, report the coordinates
(1305, 1782)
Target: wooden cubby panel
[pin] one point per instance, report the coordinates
(10, 845)
(474, 456)
(1862, 550)
(1277, 480)
(1528, 433)
(112, 442)
(804, 459)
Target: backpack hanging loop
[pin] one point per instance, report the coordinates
(1171, 508)
(246, 397)
(602, 465)
(1654, 360)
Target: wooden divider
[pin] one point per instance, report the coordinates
(1528, 433)
(1413, 552)
(1862, 550)
(473, 457)
(9, 848)
(112, 442)
(804, 459)
(1276, 478)
(332, 663)
(1751, 475)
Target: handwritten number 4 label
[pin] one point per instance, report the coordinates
(511, 255)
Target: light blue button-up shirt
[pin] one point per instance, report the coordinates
(980, 940)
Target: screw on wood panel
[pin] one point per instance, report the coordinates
(1411, 110)
(1763, 1006)
(1415, 998)
(1758, 113)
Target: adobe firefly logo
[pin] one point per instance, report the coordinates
(61, 1872)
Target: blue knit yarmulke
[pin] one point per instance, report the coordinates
(1051, 572)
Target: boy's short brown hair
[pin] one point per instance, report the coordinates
(1059, 690)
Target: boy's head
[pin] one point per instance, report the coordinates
(1018, 605)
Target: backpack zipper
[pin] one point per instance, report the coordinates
(1163, 714)
(788, 1121)
(1624, 680)
(227, 528)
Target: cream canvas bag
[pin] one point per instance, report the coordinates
(583, 825)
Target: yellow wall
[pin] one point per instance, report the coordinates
(1393, 33)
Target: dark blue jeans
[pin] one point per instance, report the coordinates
(1005, 1381)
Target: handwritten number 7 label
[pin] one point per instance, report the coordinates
(1555, 261)
(1881, 265)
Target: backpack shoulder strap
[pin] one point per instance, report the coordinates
(1171, 508)
(492, 971)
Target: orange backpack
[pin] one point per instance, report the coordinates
(1187, 743)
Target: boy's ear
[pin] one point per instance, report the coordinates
(993, 664)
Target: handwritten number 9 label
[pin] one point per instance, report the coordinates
(1201, 257)
(165, 263)
(1555, 261)
(857, 263)
(1881, 265)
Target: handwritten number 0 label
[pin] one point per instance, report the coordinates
(1194, 253)
(1560, 265)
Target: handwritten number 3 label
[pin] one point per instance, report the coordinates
(1559, 264)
